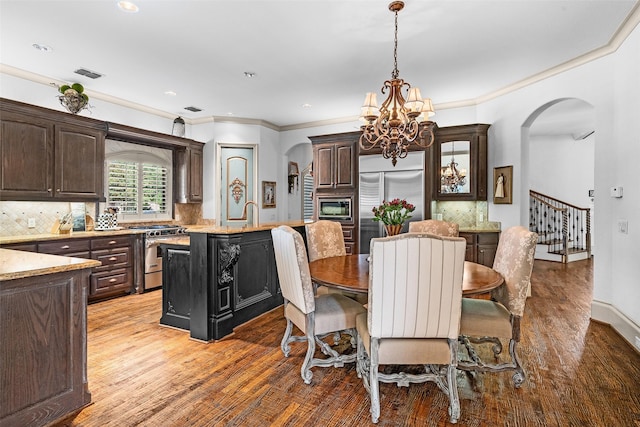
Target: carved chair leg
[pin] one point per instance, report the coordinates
(452, 385)
(519, 376)
(374, 392)
(286, 339)
(305, 370)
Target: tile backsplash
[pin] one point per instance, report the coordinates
(466, 214)
(15, 216)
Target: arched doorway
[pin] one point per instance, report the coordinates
(558, 154)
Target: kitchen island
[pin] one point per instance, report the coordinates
(43, 336)
(229, 275)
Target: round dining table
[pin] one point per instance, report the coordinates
(351, 273)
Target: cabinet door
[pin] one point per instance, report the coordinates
(323, 167)
(26, 151)
(79, 163)
(486, 254)
(344, 159)
(195, 174)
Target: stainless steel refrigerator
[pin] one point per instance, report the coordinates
(379, 181)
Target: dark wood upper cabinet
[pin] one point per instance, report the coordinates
(79, 163)
(26, 150)
(335, 161)
(188, 174)
(467, 146)
(48, 155)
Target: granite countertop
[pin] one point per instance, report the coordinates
(240, 229)
(20, 264)
(25, 238)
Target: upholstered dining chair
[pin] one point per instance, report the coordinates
(316, 316)
(325, 239)
(485, 321)
(434, 226)
(413, 315)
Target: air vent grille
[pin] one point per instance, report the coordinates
(193, 109)
(88, 73)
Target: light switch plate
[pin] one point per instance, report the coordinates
(623, 226)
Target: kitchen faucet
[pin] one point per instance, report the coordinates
(244, 212)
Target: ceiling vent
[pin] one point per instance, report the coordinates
(88, 73)
(193, 109)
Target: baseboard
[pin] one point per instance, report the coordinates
(606, 313)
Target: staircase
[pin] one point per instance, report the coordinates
(564, 230)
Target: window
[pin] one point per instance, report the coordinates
(139, 185)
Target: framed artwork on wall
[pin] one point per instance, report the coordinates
(503, 185)
(268, 194)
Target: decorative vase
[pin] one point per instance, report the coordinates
(393, 230)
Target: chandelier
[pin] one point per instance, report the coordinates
(452, 178)
(397, 123)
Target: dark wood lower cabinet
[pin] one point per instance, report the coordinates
(43, 348)
(120, 255)
(481, 246)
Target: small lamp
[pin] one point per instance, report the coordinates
(293, 176)
(178, 127)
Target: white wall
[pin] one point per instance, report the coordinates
(562, 168)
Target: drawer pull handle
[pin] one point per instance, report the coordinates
(113, 242)
(153, 265)
(113, 258)
(64, 247)
(113, 280)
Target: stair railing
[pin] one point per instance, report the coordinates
(562, 226)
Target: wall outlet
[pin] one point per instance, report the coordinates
(480, 216)
(31, 223)
(638, 342)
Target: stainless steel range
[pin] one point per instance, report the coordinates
(154, 236)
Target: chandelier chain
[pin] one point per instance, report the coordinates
(395, 73)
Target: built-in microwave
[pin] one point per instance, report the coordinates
(335, 208)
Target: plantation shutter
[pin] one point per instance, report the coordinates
(154, 188)
(123, 186)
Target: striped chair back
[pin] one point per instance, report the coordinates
(415, 286)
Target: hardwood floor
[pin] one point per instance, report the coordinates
(579, 373)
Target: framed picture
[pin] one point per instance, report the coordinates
(503, 185)
(268, 194)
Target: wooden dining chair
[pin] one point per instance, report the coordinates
(435, 226)
(315, 315)
(486, 322)
(413, 315)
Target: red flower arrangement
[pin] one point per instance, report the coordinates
(395, 212)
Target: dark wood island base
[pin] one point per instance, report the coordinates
(224, 278)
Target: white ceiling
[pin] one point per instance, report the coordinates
(324, 53)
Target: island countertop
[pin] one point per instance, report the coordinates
(20, 264)
(240, 229)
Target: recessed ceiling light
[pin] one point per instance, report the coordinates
(170, 93)
(42, 47)
(249, 74)
(229, 113)
(306, 105)
(127, 6)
